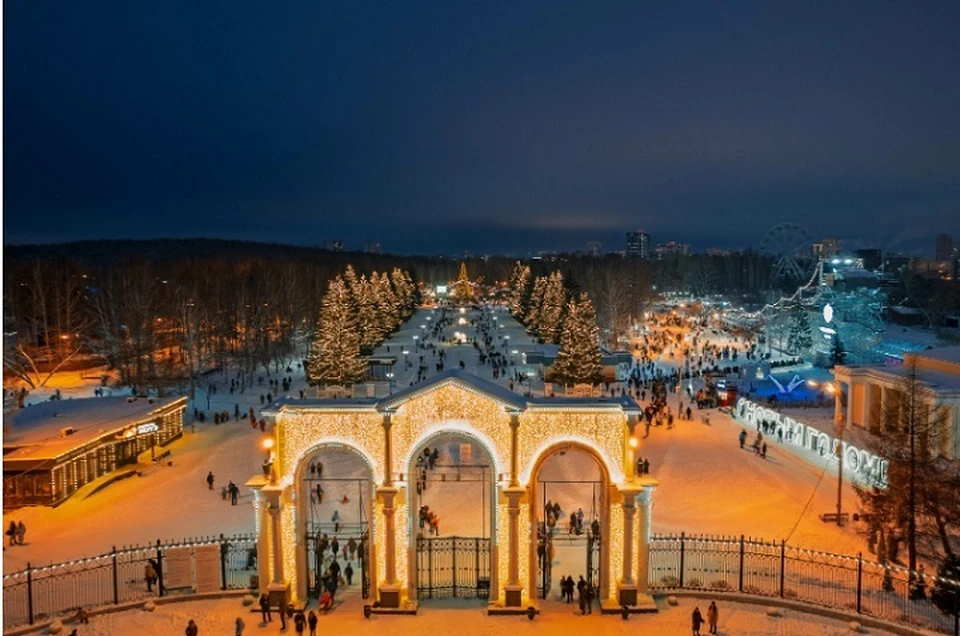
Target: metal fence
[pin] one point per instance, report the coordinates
(41, 593)
(775, 569)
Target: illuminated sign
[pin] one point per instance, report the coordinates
(871, 467)
(143, 429)
(828, 313)
(441, 289)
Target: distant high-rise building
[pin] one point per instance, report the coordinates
(638, 244)
(594, 248)
(333, 246)
(372, 247)
(944, 248)
(674, 248)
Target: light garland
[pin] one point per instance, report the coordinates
(615, 547)
(380, 532)
(301, 432)
(503, 546)
(290, 544)
(452, 407)
(601, 432)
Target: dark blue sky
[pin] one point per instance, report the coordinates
(500, 127)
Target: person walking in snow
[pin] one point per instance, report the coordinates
(299, 622)
(150, 576)
(352, 545)
(697, 619)
(210, 480)
(265, 615)
(238, 627)
(12, 533)
(712, 615)
(234, 493)
(191, 629)
(348, 572)
(21, 531)
(582, 595)
(312, 623)
(763, 451)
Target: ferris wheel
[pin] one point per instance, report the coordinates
(792, 248)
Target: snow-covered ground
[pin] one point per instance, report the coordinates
(218, 616)
(707, 484)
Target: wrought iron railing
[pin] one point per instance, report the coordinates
(775, 569)
(41, 593)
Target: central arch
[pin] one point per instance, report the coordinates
(574, 475)
(455, 557)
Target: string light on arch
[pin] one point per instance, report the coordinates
(613, 469)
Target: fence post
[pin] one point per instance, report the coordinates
(116, 582)
(783, 564)
(859, 580)
(223, 563)
(30, 593)
(159, 569)
(682, 549)
(741, 564)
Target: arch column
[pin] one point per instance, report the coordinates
(626, 586)
(645, 499)
(272, 500)
(513, 590)
(390, 587)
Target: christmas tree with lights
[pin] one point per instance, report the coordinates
(334, 356)
(578, 360)
(462, 289)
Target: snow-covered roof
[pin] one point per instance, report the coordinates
(35, 431)
(511, 400)
(943, 354)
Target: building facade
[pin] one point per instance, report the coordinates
(514, 435)
(638, 244)
(52, 449)
(873, 397)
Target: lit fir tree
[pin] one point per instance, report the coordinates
(532, 316)
(370, 324)
(799, 339)
(462, 289)
(550, 319)
(578, 360)
(403, 289)
(334, 356)
(388, 306)
(519, 290)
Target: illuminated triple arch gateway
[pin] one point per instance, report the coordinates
(501, 451)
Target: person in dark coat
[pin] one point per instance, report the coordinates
(191, 629)
(712, 616)
(348, 572)
(697, 619)
(282, 610)
(265, 614)
(299, 622)
(582, 595)
(312, 623)
(210, 480)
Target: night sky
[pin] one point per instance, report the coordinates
(493, 127)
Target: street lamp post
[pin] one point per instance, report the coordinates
(834, 389)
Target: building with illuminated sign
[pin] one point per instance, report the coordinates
(52, 449)
(515, 435)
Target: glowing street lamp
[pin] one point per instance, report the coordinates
(268, 444)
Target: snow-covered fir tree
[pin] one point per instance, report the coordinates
(334, 356)
(799, 339)
(550, 319)
(578, 360)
